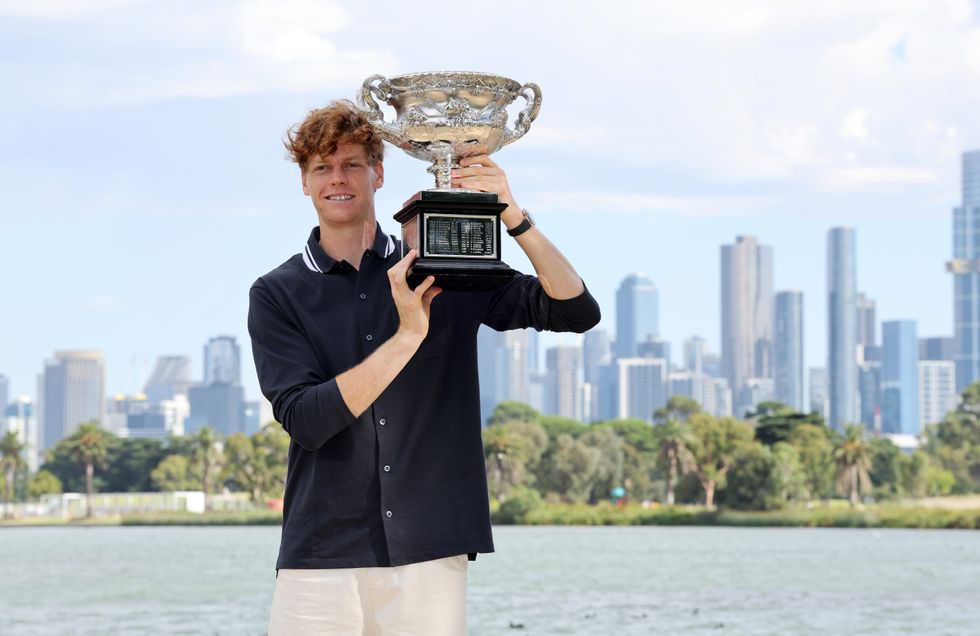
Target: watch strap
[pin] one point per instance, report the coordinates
(523, 226)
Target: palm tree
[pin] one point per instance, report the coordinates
(505, 455)
(204, 445)
(673, 439)
(854, 458)
(89, 445)
(10, 462)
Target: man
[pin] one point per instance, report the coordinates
(377, 386)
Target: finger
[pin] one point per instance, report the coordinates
(430, 294)
(424, 286)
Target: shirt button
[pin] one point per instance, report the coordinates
(369, 337)
(382, 421)
(387, 468)
(388, 514)
(363, 296)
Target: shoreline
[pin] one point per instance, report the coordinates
(909, 515)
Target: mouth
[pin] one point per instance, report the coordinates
(340, 197)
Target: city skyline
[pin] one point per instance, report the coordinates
(169, 193)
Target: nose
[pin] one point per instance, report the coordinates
(337, 175)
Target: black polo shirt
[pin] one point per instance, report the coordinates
(406, 481)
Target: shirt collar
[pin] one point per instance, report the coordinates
(316, 260)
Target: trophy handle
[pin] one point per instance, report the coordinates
(367, 104)
(532, 95)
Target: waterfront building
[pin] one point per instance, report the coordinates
(965, 268)
(71, 391)
(937, 390)
(712, 394)
(900, 378)
(694, 354)
(654, 347)
(641, 385)
(788, 349)
(220, 406)
(842, 326)
(866, 321)
(4, 392)
(596, 353)
(563, 383)
(637, 313)
(222, 361)
(746, 315)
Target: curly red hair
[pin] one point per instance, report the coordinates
(339, 122)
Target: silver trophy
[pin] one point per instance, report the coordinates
(440, 117)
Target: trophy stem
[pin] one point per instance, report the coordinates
(444, 160)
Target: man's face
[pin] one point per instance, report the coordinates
(342, 185)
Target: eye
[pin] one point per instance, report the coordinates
(350, 165)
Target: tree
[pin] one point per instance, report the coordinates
(569, 469)
(814, 444)
(955, 442)
(257, 464)
(89, 446)
(512, 451)
(674, 439)
(854, 458)
(609, 467)
(207, 456)
(173, 473)
(775, 422)
(677, 408)
(556, 426)
(130, 463)
(10, 462)
(717, 442)
(43, 483)
(509, 411)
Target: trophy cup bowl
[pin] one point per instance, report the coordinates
(440, 117)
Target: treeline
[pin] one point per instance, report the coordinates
(94, 460)
(775, 457)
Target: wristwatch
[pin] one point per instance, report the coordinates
(524, 225)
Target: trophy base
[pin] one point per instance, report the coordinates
(454, 275)
(457, 235)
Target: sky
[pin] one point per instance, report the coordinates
(146, 187)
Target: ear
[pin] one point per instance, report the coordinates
(379, 173)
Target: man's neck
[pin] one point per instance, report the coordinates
(347, 243)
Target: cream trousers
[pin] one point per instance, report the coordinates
(426, 598)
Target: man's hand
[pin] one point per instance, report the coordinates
(480, 172)
(413, 305)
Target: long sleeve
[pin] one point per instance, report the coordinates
(523, 303)
(309, 406)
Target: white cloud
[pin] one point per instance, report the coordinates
(855, 127)
(857, 178)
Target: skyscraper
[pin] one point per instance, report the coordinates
(746, 316)
(937, 390)
(819, 402)
(866, 321)
(637, 313)
(788, 349)
(4, 392)
(694, 354)
(563, 382)
(641, 386)
(222, 361)
(965, 267)
(507, 360)
(596, 354)
(71, 392)
(842, 327)
(171, 376)
(900, 378)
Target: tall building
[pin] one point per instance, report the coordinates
(866, 321)
(171, 376)
(712, 394)
(746, 316)
(654, 347)
(563, 382)
(937, 348)
(842, 327)
(19, 418)
(596, 354)
(641, 386)
(694, 354)
(4, 392)
(937, 390)
(71, 392)
(900, 378)
(222, 361)
(965, 268)
(788, 349)
(819, 398)
(637, 313)
(220, 401)
(507, 360)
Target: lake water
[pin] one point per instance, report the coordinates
(542, 580)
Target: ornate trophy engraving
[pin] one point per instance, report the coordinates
(440, 117)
